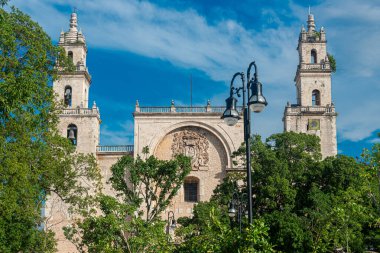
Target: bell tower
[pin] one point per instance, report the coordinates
(78, 122)
(314, 112)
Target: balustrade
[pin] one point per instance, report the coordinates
(183, 109)
(115, 149)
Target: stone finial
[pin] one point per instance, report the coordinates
(310, 22)
(288, 104)
(303, 33)
(137, 106)
(172, 107)
(62, 37)
(81, 37)
(94, 105)
(73, 22)
(208, 107)
(323, 34)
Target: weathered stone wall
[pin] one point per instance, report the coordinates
(79, 52)
(105, 162)
(57, 217)
(80, 89)
(210, 171)
(327, 132)
(304, 51)
(150, 129)
(307, 82)
(88, 130)
(167, 134)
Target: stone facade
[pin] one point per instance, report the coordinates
(314, 112)
(76, 120)
(194, 131)
(197, 132)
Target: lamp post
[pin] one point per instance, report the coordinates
(238, 201)
(172, 224)
(254, 101)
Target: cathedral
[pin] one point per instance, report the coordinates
(196, 131)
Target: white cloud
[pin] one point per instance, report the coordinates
(181, 37)
(187, 40)
(121, 137)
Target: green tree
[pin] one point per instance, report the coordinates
(332, 62)
(34, 160)
(210, 231)
(144, 188)
(310, 205)
(151, 183)
(370, 161)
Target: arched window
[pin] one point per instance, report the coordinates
(315, 98)
(72, 134)
(70, 55)
(68, 95)
(313, 58)
(191, 187)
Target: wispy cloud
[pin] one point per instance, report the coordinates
(182, 37)
(122, 136)
(187, 40)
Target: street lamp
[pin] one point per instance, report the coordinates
(239, 203)
(172, 224)
(256, 103)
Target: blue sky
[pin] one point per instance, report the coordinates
(147, 51)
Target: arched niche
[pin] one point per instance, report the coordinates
(206, 150)
(223, 138)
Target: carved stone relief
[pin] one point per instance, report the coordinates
(194, 145)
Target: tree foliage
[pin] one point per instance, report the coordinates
(311, 205)
(118, 229)
(332, 62)
(151, 183)
(210, 231)
(143, 186)
(34, 160)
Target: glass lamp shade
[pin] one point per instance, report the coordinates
(231, 115)
(257, 107)
(174, 224)
(231, 210)
(257, 101)
(230, 121)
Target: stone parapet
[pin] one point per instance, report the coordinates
(315, 66)
(182, 109)
(298, 110)
(81, 112)
(80, 70)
